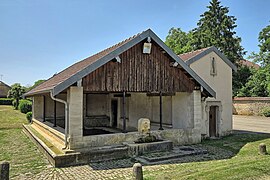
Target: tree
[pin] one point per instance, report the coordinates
(259, 83)
(216, 28)
(263, 57)
(16, 93)
(179, 41)
(241, 78)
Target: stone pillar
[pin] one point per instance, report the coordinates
(137, 171)
(75, 118)
(197, 109)
(37, 107)
(262, 149)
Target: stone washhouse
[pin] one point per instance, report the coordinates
(93, 106)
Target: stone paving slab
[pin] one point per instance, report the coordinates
(118, 169)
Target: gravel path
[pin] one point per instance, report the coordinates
(251, 123)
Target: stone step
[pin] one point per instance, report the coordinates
(52, 135)
(176, 153)
(105, 153)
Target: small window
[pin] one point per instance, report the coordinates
(213, 71)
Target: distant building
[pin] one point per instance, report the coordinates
(4, 88)
(247, 63)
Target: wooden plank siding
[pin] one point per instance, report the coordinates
(139, 72)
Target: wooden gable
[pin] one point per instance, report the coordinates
(138, 72)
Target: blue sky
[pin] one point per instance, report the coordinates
(40, 38)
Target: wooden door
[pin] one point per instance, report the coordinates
(213, 121)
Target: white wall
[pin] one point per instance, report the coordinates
(182, 110)
(221, 83)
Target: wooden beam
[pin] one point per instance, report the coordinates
(54, 120)
(121, 95)
(124, 113)
(160, 111)
(163, 94)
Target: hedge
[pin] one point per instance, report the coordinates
(25, 106)
(29, 116)
(5, 101)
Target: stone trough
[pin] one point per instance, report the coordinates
(135, 149)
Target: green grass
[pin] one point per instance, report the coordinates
(15, 147)
(245, 163)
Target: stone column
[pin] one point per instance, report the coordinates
(197, 109)
(75, 118)
(37, 107)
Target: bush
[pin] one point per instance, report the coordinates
(5, 101)
(25, 106)
(266, 111)
(29, 116)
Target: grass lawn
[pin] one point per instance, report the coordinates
(15, 147)
(245, 162)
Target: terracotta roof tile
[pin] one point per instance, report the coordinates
(249, 64)
(75, 68)
(189, 55)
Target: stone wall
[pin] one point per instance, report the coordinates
(177, 136)
(250, 105)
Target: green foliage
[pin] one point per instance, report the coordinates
(179, 41)
(259, 83)
(29, 116)
(5, 101)
(240, 78)
(25, 106)
(16, 93)
(266, 111)
(216, 28)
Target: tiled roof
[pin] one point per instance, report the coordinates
(249, 64)
(189, 55)
(75, 68)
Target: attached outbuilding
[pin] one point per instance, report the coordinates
(216, 70)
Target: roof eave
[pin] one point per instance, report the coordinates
(209, 50)
(29, 94)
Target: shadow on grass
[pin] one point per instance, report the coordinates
(236, 140)
(223, 148)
